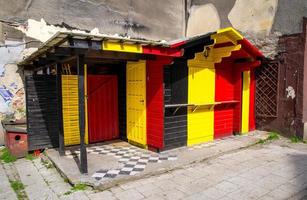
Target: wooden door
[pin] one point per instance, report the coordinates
(136, 102)
(102, 108)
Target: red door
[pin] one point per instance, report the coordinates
(102, 108)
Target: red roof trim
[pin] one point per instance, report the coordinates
(172, 52)
(250, 48)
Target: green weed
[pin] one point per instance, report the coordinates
(295, 139)
(77, 187)
(18, 187)
(273, 136)
(30, 157)
(6, 156)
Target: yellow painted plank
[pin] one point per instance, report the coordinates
(70, 110)
(201, 90)
(123, 47)
(136, 102)
(245, 102)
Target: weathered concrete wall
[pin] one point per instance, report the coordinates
(26, 23)
(159, 19)
(22, 22)
(262, 21)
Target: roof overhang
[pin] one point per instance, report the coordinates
(66, 44)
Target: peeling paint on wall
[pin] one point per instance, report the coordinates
(10, 54)
(253, 16)
(290, 92)
(41, 31)
(203, 19)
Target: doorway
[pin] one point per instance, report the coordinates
(102, 108)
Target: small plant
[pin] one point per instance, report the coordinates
(295, 139)
(6, 156)
(273, 136)
(77, 187)
(47, 164)
(68, 192)
(261, 141)
(18, 187)
(30, 157)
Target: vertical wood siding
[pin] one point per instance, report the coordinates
(245, 101)
(175, 92)
(136, 102)
(225, 91)
(70, 111)
(102, 108)
(155, 104)
(201, 92)
(42, 112)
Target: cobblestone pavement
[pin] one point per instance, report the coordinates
(276, 170)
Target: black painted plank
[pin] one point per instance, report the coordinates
(42, 115)
(175, 92)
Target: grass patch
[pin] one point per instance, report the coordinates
(77, 187)
(47, 164)
(271, 136)
(68, 192)
(30, 157)
(18, 187)
(6, 156)
(295, 139)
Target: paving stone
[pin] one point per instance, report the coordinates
(129, 194)
(102, 195)
(149, 189)
(173, 194)
(6, 191)
(33, 180)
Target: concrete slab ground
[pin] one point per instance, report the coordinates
(275, 169)
(107, 162)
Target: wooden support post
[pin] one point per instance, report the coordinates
(83, 153)
(60, 113)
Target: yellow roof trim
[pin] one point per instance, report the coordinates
(227, 35)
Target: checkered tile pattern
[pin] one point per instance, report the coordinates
(116, 151)
(133, 159)
(212, 143)
(132, 165)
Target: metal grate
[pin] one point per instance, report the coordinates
(267, 89)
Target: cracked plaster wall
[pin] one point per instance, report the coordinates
(22, 21)
(261, 21)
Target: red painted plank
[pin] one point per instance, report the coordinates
(252, 102)
(102, 108)
(173, 52)
(237, 74)
(225, 90)
(155, 102)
